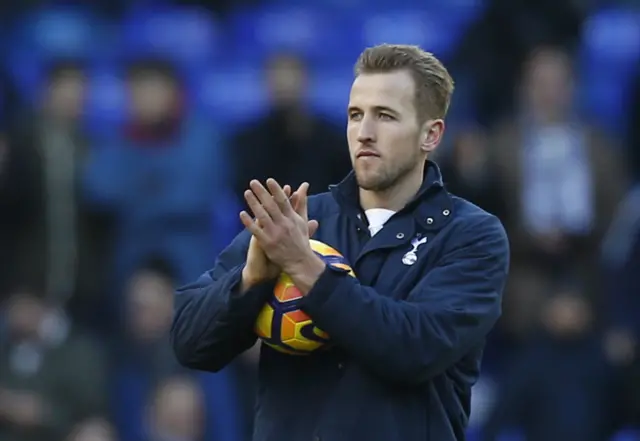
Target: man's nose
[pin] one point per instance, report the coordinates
(366, 131)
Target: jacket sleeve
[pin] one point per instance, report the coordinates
(213, 322)
(447, 314)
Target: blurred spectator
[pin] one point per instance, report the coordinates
(495, 46)
(525, 296)
(159, 177)
(290, 144)
(10, 200)
(144, 362)
(559, 387)
(177, 411)
(58, 245)
(144, 358)
(11, 102)
(468, 174)
(621, 258)
(149, 309)
(562, 180)
(51, 375)
(634, 136)
(93, 429)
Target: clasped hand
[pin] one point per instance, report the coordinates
(281, 230)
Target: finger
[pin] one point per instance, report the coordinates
(293, 197)
(294, 200)
(301, 207)
(258, 210)
(266, 200)
(279, 196)
(313, 227)
(252, 225)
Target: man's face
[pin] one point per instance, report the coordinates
(24, 316)
(149, 306)
(153, 98)
(286, 81)
(383, 130)
(66, 95)
(567, 315)
(92, 430)
(550, 87)
(177, 411)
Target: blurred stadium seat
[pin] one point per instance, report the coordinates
(329, 94)
(189, 36)
(59, 32)
(428, 29)
(604, 99)
(230, 95)
(627, 435)
(462, 10)
(258, 33)
(51, 34)
(608, 58)
(611, 40)
(106, 100)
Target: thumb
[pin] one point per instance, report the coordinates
(313, 227)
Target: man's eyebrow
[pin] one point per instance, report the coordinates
(376, 108)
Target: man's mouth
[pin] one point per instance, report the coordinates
(367, 154)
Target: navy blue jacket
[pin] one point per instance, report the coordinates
(408, 338)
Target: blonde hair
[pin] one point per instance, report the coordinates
(434, 86)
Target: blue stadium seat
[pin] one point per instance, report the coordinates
(188, 36)
(26, 73)
(456, 12)
(608, 58)
(317, 34)
(59, 32)
(460, 10)
(330, 36)
(605, 99)
(106, 104)
(333, 4)
(506, 435)
(611, 41)
(435, 32)
(627, 435)
(329, 92)
(50, 34)
(230, 95)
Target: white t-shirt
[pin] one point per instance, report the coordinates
(377, 217)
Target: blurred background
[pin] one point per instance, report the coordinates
(129, 130)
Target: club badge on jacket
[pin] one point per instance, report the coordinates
(411, 256)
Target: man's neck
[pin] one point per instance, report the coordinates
(396, 197)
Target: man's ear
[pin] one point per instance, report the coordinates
(431, 135)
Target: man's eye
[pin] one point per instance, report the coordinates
(385, 117)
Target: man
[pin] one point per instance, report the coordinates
(409, 332)
(314, 148)
(158, 176)
(57, 244)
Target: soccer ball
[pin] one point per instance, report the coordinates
(281, 323)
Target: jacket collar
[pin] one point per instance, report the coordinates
(432, 206)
